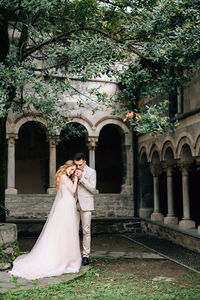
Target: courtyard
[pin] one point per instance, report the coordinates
(119, 269)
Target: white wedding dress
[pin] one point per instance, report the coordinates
(57, 250)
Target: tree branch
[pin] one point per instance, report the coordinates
(51, 40)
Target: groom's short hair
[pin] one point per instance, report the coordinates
(79, 156)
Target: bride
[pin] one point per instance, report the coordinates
(57, 249)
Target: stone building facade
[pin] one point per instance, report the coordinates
(169, 172)
(33, 158)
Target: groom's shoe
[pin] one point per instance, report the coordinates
(85, 261)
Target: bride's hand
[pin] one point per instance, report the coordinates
(75, 178)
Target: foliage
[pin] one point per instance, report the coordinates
(162, 56)
(152, 119)
(124, 40)
(11, 255)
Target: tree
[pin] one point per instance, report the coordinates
(149, 47)
(38, 37)
(35, 40)
(159, 49)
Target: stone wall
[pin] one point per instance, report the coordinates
(37, 206)
(8, 233)
(29, 228)
(187, 239)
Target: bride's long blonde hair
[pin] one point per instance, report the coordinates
(63, 170)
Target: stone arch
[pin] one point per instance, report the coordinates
(142, 153)
(154, 151)
(32, 158)
(115, 121)
(16, 125)
(186, 138)
(85, 123)
(166, 146)
(70, 143)
(111, 158)
(186, 154)
(197, 144)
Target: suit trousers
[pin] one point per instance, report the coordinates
(85, 217)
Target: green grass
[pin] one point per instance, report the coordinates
(101, 284)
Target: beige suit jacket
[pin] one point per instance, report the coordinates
(86, 189)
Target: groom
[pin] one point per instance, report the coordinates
(85, 200)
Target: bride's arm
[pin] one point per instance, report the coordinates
(72, 189)
(71, 186)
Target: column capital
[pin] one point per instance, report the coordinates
(168, 168)
(197, 159)
(11, 138)
(185, 168)
(92, 141)
(155, 169)
(53, 141)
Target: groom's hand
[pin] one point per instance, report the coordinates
(78, 173)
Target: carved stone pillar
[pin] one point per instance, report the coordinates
(52, 166)
(11, 165)
(170, 218)
(127, 187)
(92, 141)
(186, 222)
(156, 171)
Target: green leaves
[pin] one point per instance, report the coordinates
(147, 47)
(153, 119)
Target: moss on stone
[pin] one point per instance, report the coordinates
(8, 252)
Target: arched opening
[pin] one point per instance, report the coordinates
(188, 161)
(169, 161)
(177, 189)
(162, 182)
(32, 159)
(194, 180)
(73, 138)
(110, 164)
(145, 188)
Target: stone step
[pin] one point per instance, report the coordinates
(32, 227)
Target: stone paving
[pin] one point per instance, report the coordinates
(13, 283)
(183, 256)
(118, 254)
(7, 282)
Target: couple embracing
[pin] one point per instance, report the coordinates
(57, 250)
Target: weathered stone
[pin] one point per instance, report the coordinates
(163, 278)
(8, 233)
(106, 205)
(173, 234)
(8, 251)
(5, 266)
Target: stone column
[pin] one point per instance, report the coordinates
(186, 222)
(156, 215)
(91, 146)
(52, 166)
(11, 165)
(170, 218)
(127, 186)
